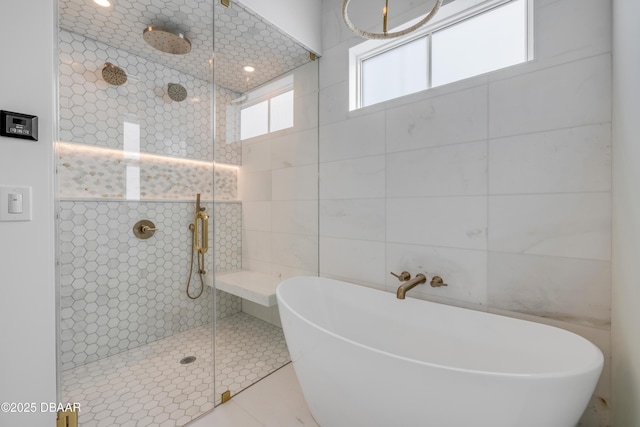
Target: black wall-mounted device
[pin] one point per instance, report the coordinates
(18, 125)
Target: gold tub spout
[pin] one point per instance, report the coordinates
(410, 284)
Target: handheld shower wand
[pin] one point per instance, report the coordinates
(199, 243)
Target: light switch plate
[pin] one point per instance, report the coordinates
(4, 203)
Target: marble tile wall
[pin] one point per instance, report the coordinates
(93, 112)
(500, 183)
(119, 292)
(278, 186)
(102, 173)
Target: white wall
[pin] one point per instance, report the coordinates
(301, 19)
(500, 183)
(27, 276)
(626, 214)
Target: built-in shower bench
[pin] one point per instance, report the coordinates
(250, 285)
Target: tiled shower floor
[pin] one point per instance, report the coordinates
(148, 386)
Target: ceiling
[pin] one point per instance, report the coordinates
(240, 37)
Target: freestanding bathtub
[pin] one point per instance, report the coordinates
(365, 358)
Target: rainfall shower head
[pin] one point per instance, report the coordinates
(113, 74)
(177, 92)
(166, 40)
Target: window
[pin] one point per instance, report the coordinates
(395, 73)
(281, 112)
(268, 109)
(469, 38)
(254, 120)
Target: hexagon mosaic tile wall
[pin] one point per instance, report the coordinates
(269, 50)
(94, 112)
(119, 292)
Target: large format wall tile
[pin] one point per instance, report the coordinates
(295, 183)
(572, 290)
(452, 118)
(359, 137)
(256, 157)
(590, 32)
(456, 170)
(559, 161)
(295, 250)
(457, 222)
(568, 95)
(256, 245)
(361, 219)
(362, 178)
(464, 271)
(256, 215)
(295, 217)
(356, 261)
(296, 149)
(254, 186)
(564, 225)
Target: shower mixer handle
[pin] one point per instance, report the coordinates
(144, 229)
(403, 277)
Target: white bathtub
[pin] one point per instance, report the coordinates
(365, 358)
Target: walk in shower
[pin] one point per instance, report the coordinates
(187, 189)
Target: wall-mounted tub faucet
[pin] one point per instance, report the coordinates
(408, 283)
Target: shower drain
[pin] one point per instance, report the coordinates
(187, 360)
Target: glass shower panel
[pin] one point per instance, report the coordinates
(135, 150)
(267, 227)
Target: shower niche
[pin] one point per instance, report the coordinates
(156, 125)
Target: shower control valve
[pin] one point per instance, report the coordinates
(144, 229)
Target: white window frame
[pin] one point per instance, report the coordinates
(450, 14)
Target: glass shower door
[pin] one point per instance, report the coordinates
(135, 149)
(266, 213)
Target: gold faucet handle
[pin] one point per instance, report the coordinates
(437, 281)
(403, 277)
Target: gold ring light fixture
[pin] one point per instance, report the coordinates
(385, 34)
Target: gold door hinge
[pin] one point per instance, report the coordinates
(67, 419)
(312, 56)
(226, 396)
(225, 3)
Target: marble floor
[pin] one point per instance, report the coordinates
(148, 386)
(275, 401)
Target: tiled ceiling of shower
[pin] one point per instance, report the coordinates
(241, 38)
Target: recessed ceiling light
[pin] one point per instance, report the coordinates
(249, 69)
(103, 3)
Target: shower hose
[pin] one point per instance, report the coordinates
(201, 271)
